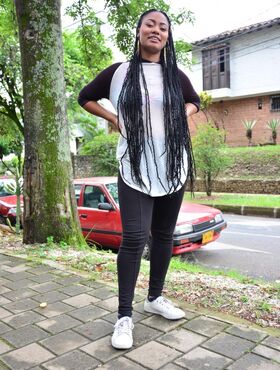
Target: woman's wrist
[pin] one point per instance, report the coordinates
(114, 120)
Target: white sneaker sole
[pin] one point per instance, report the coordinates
(121, 347)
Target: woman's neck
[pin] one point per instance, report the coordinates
(154, 58)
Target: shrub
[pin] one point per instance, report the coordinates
(249, 125)
(273, 125)
(103, 148)
(208, 147)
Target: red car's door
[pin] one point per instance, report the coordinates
(99, 226)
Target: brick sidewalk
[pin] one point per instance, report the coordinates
(74, 330)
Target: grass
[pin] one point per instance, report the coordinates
(267, 149)
(177, 264)
(254, 200)
(248, 150)
(249, 163)
(95, 261)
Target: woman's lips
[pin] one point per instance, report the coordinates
(154, 39)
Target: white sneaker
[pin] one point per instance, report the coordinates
(164, 307)
(122, 336)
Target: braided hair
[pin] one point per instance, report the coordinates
(130, 105)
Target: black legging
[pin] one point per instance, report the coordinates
(142, 214)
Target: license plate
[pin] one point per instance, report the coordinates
(207, 237)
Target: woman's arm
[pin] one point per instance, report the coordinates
(190, 109)
(98, 89)
(95, 108)
(192, 100)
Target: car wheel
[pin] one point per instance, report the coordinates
(188, 257)
(147, 250)
(2, 220)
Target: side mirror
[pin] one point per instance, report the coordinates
(105, 206)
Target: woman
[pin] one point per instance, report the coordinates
(153, 99)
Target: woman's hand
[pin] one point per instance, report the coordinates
(115, 120)
(190, 109)
(98, 110)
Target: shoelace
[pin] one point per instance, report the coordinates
(165, 302)
(123, 327)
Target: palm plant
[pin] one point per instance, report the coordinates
(273, 125)
(249, 125)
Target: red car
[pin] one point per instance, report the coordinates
(7, 200)
(4, 181)
(99, 214)
(8, 208)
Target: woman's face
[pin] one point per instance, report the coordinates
(153, 33)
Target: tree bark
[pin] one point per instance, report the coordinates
(49, 200)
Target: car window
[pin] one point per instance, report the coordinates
(93, 196)
(113, 190)
(77, 189)
(3, 190)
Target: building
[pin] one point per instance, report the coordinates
(240, 69)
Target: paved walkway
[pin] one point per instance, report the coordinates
(74, 330)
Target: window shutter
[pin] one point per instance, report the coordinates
(206, 70)
(215, 68)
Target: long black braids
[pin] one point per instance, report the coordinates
(130, 106)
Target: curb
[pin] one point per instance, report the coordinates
(247, 210)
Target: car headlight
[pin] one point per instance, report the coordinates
(218, 218)
(183, 229)
(12, 211)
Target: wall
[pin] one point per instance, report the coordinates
(82, 166)
(228, 114)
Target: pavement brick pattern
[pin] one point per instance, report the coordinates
(73, 331)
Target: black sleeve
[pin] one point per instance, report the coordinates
(99, 88)
(189, 94)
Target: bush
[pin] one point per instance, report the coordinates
(208, 147)
(103, 148)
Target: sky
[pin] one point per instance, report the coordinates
(216, 16)
(211, 16)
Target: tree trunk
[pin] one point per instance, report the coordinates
(49, 201)
(208, 183)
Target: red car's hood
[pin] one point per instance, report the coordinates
(195, 212)
(11, 200)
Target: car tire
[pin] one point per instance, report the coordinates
(147, 250)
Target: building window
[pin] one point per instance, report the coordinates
(275, 103)
(216, 71)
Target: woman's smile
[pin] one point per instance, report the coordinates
(154, 38)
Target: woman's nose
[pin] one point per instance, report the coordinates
(155, 30)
